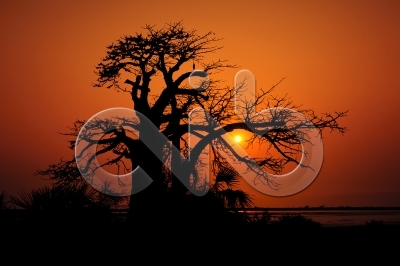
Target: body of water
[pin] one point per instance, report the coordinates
(342, 217)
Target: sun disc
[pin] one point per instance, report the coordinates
(238, 138)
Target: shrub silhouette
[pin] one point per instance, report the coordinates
(296, 221)
(68, 204)
(374, 224)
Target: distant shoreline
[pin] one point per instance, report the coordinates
(340, 208)
(318, 208)
(298, 209)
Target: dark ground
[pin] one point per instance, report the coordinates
(206, 241)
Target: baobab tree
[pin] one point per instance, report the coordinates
(204, 109)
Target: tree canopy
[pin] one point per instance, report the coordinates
(205, 109)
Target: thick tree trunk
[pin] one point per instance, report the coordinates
(178, 189)
(147, 202)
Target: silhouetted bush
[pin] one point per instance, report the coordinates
(262, 219)
(295, 221)
(70, 204)
(374, 224)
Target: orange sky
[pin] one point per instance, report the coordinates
(336, 55)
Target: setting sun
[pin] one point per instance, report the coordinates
(238, 138)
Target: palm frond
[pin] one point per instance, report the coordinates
(227, 176)
(236, 198)
(32, 200)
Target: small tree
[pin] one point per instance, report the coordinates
(167, 53)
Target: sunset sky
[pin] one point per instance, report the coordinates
(336, 55)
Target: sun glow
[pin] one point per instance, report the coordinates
(238, 138)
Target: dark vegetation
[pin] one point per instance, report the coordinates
(78, 222)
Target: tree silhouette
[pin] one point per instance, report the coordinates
(170, 54)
